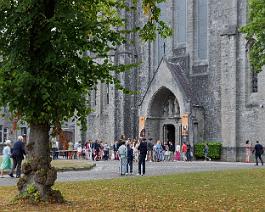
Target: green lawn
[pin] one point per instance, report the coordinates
(239, 190)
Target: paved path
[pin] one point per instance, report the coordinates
(109, 170)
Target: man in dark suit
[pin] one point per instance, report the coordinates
(258, 152)
(18, 153)
(143, 151)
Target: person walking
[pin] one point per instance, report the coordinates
(129, 158)
(206, 152)
(18, 153)
(258, 149)
(6, 163)
(143, 151)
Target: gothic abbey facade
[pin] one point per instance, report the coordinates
(196, 85)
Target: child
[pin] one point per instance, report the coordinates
(6, 163)
(79, 151)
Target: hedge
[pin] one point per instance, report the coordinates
(215, 150)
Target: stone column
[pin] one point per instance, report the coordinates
(229, 92)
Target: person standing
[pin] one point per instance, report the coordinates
(115, 150)
(177, 157)
(142, 154)
(88, 150)
(248, 151)
(18, 153)
(150, 147)
(54, 148)
(184, 151)
(106, 151)
(188, 154)
(206, 152)
(6, 163)
(123, 157)
(171, 148)
(129, 158)
(158, 151)
(258, 149)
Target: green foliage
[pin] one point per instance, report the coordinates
(255, 33)
(55, 52)
(31, 194)
(215, 149)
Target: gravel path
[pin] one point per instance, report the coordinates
(109, 170)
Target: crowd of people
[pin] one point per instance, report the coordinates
(126, 151)
(156, 152)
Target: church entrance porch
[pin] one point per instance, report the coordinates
(162, 122)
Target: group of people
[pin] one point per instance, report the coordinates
(96, 150)
(128, 151)
(126, 154)
(17, 154)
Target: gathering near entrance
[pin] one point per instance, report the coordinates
(132, 154)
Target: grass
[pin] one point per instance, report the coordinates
(237, 190)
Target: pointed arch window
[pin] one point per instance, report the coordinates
(161, 44)
(202, 28)
(181, 21)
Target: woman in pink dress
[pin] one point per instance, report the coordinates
(248, 151)
(177, 156)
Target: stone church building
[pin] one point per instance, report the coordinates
(194, 86)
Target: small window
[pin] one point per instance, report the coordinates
(95, 97)
(5, 134)
(1, 134)
(254, 82)
(107, 93)
(23, 130)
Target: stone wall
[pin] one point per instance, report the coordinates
(221, 85)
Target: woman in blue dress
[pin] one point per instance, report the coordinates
(6, 163)
(159, 151)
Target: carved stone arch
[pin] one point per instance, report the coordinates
(163, 103)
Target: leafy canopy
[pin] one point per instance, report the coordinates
(55, 52)
(255, 33)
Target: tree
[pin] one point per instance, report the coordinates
(53, 54)
(255, 33)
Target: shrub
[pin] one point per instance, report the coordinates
(215, 150)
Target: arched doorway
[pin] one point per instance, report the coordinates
(163, 118)
(169, 134)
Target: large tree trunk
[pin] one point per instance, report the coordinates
(39, 177)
